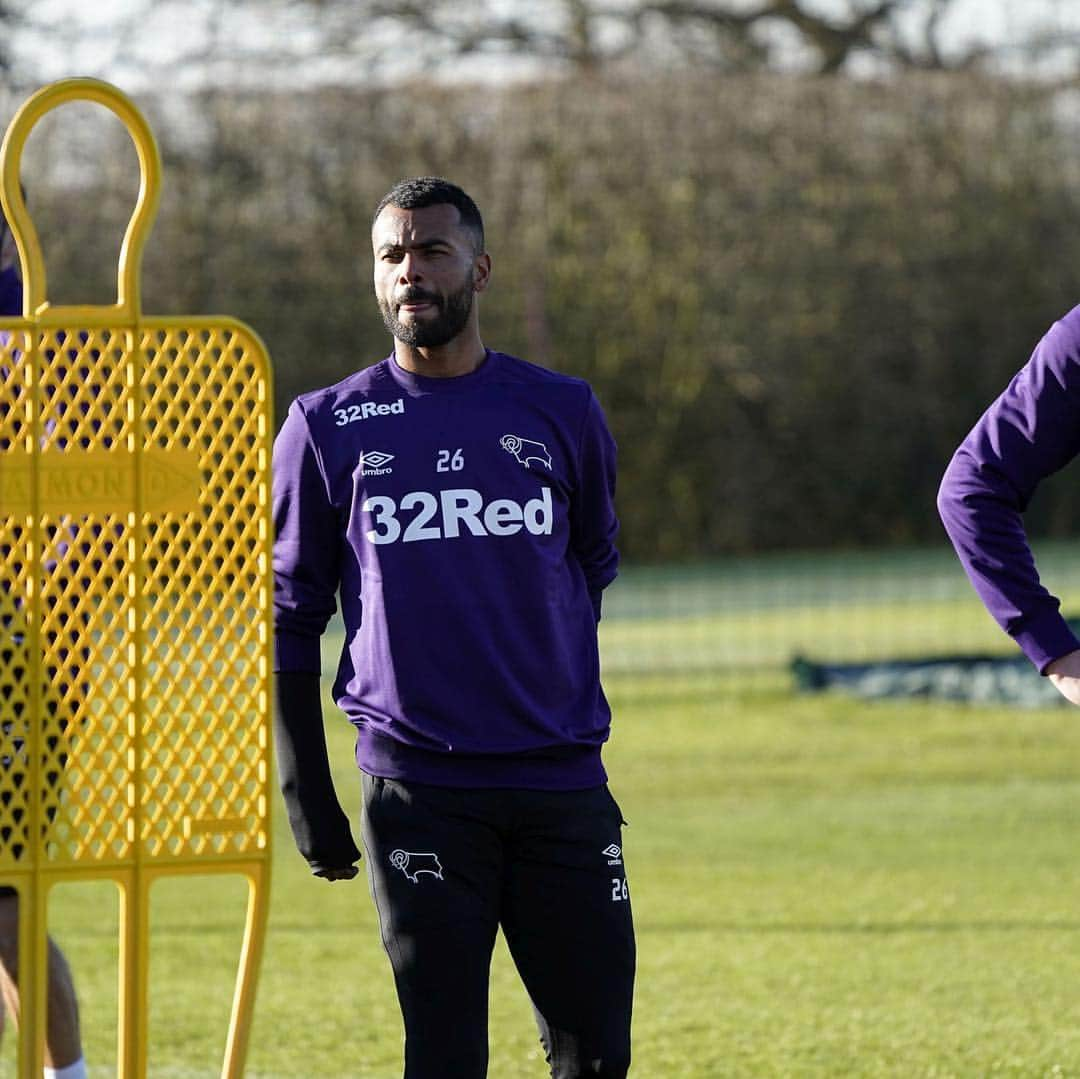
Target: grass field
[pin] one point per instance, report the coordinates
(821, 887)
(748, 616)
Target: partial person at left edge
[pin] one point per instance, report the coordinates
(63, 1045)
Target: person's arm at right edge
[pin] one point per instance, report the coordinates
(305, 584)
(1031, 431)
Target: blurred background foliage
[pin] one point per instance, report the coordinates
(794, 295)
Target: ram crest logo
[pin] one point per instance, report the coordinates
(526, 450)
(412, 864)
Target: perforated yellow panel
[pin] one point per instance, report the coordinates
(151, 647)
(134, 599)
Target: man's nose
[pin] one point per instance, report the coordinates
(409, 270)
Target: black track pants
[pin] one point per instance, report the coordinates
(448, 867)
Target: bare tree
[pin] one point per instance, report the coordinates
(30, 31)
(231, 43)
(831, 41)
(9, 20)
(242, 41)
(588, 34)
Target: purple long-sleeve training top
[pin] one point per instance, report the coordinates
(1031, 431)
(467, 526)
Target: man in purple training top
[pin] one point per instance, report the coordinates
(1031, 431)
(460, 503)
(63, 1048)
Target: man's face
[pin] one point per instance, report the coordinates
(426, 273)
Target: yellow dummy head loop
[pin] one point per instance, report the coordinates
(128, 296)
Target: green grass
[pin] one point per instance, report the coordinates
(751, 615)
(821, 888)
(743, 642)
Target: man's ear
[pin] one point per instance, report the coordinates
(481, 272)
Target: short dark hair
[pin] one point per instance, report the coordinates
(421, 191)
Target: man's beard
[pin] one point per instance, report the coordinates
(453, 314)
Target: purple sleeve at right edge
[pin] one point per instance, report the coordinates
(1031, 431)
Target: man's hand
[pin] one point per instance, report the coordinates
(345, 873)
(1065, 674)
